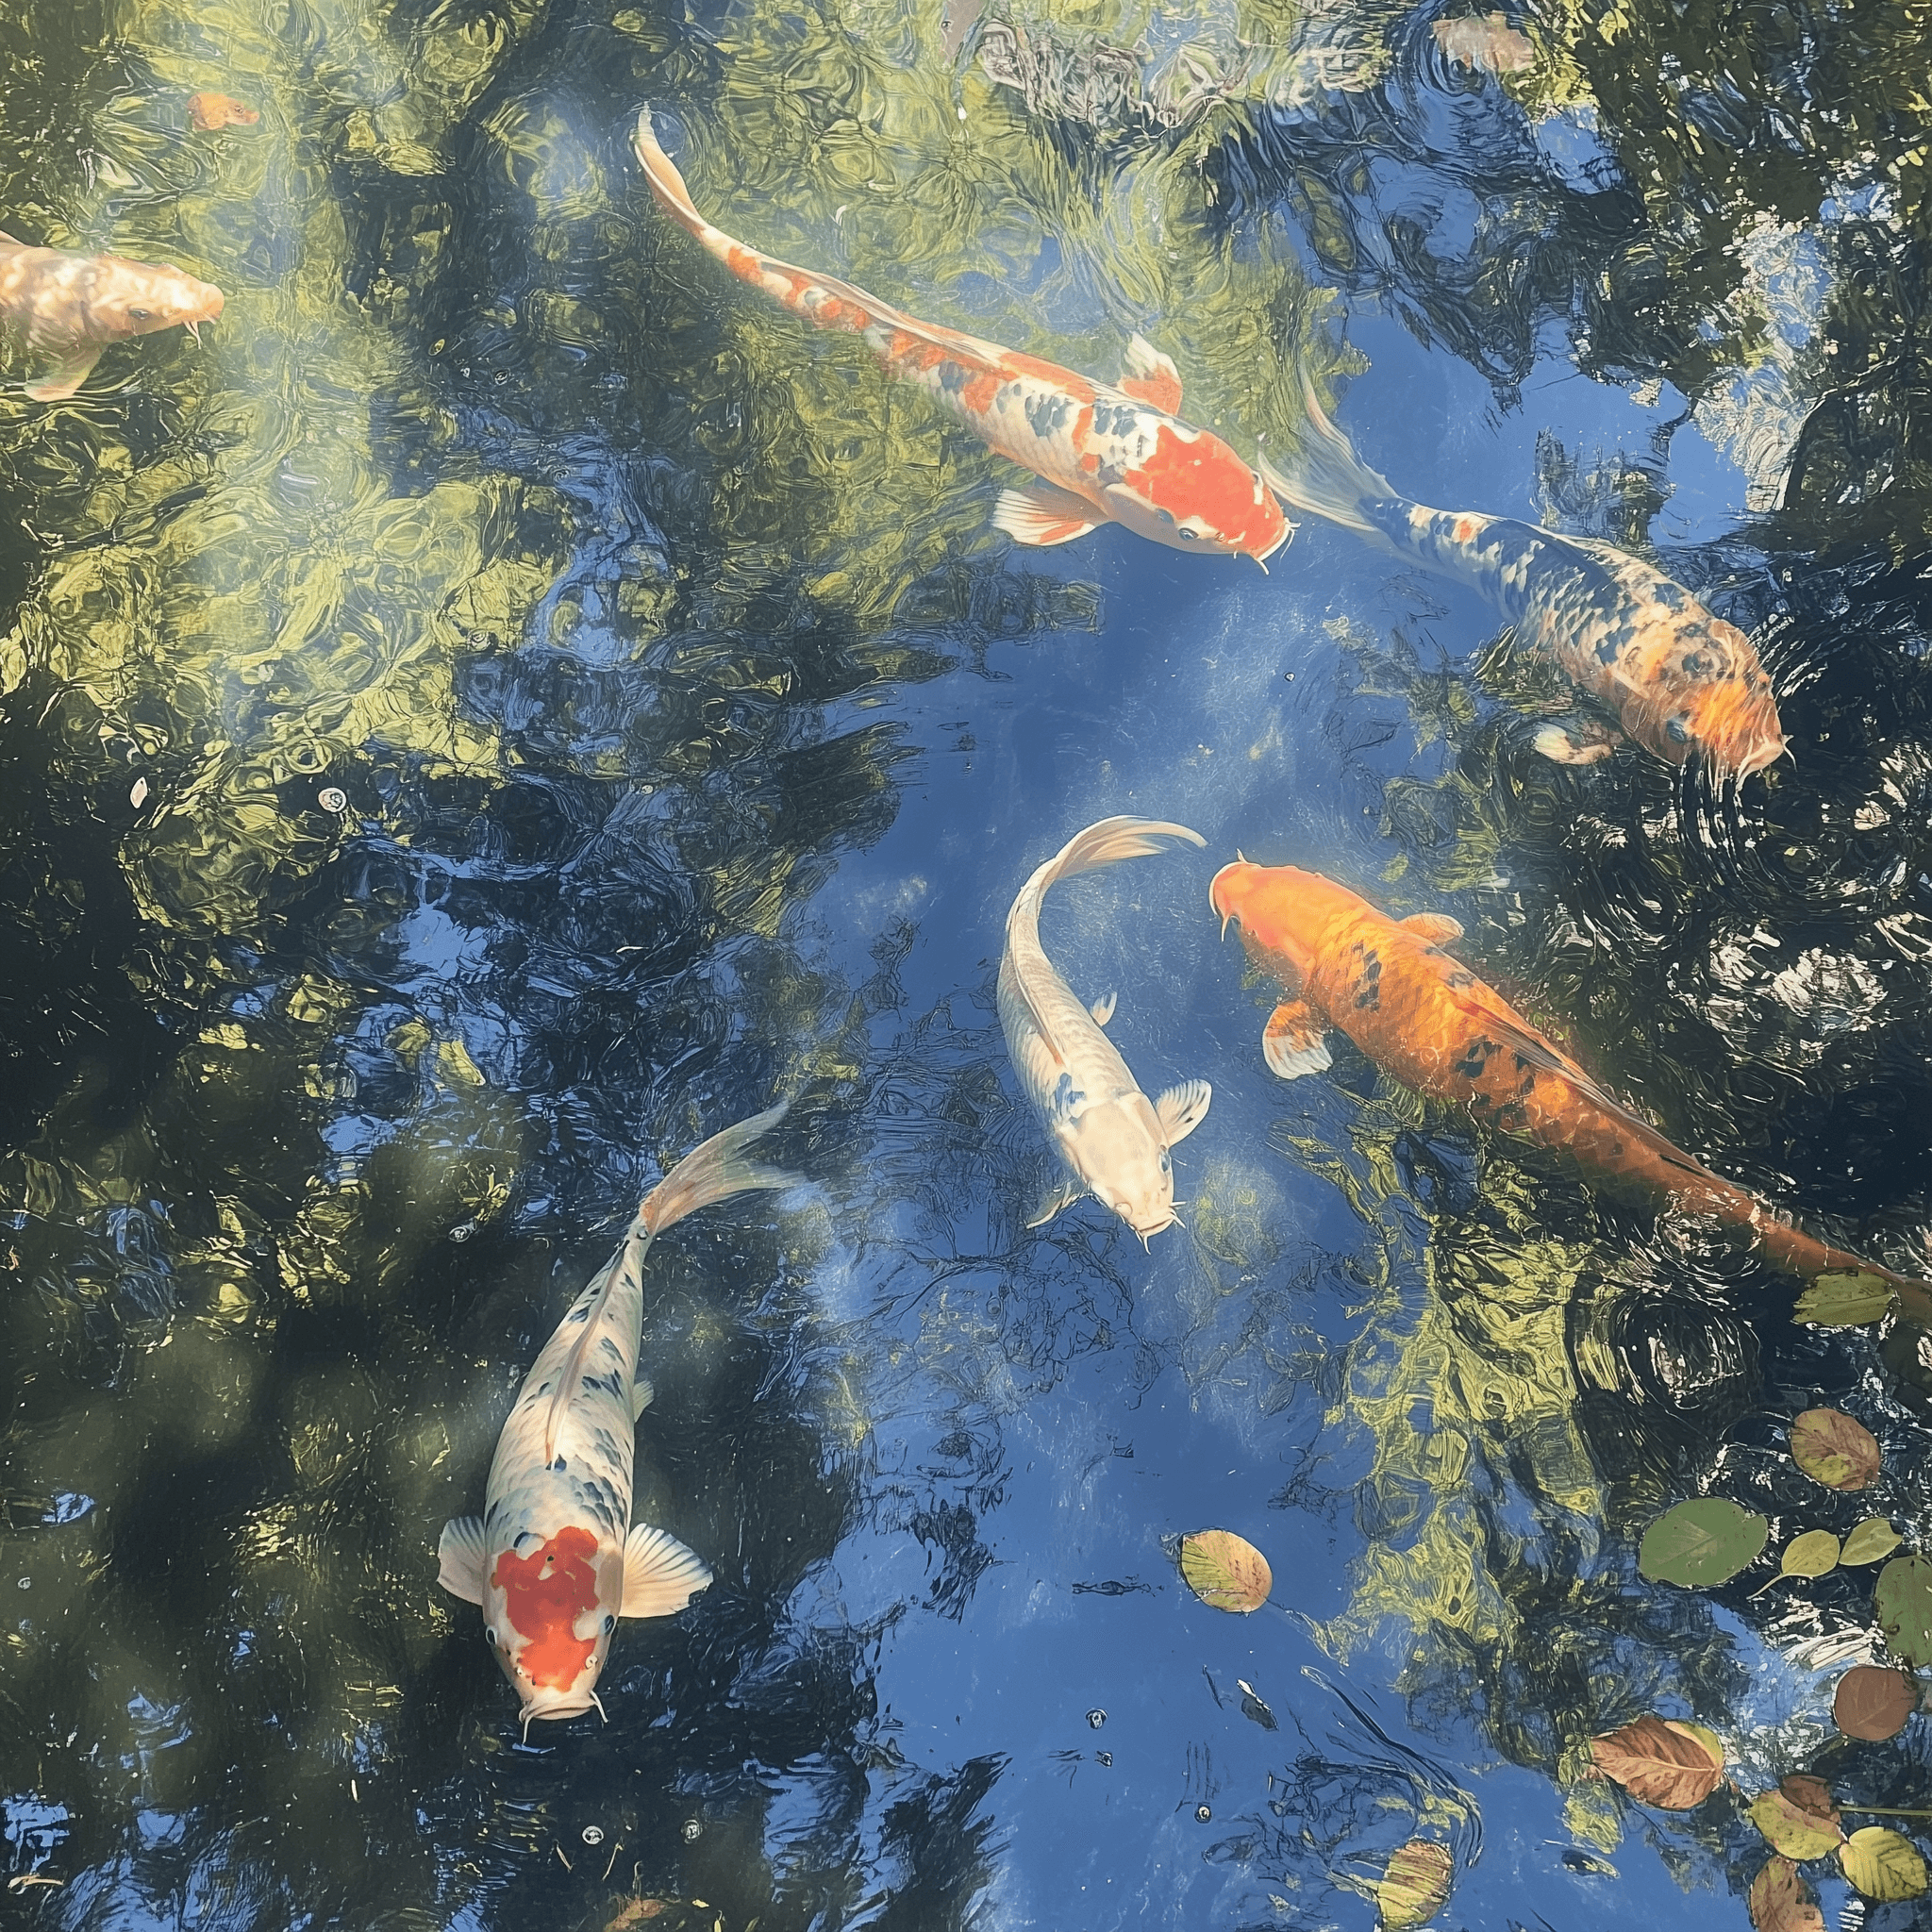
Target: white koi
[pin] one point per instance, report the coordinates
(1115, 1142)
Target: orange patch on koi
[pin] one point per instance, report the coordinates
(1466, 529)
(545, 1596)
(978, 394)
(1205, 478)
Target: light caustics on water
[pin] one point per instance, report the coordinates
(507, 698)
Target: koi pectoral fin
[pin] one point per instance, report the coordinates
(1042, 515)
(1182, 1108)
(1062, 1194)
(1293, 1041)
(1103, 1007)
(641, 1397)
(66, 375)
(460, 1557)
(660, 1576)
(1585, 742)
(1151, 378)
(1436, 927)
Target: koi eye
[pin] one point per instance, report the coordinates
(139, 315)
(1190, 536)
(1164, 1163)
(490, 1638)
(609, 1625)
(1166, 516)
(1677, 729)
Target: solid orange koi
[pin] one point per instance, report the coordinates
(1104, 452)
(1419, 1014)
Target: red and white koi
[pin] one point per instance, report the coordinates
(73, 305)
(1681, 682)
(1104, 453)
(554, 1560)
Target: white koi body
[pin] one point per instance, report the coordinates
(74, 305)
(1115, 1140)
(1105, 453)
(554, 1560)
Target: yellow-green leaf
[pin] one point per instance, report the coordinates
(1702, 1543)
(1883, 1864)
(1224, 1570)
(1792, 1830)
(1415, 1884)
(1814, 1554)
(1873, 1538)
(1846, 1300)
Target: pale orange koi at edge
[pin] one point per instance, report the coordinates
(545, 1594)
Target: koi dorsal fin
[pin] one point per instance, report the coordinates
(1151, 378)
(1436, 927)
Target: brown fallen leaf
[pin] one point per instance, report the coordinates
(635, 1911)
(1798, 1830)
(1661, 1762)
(1780, 1900)
(1489, 43)
(1834, 1450)
(1873, 1703)
(211, 112)
(1415, 1884)
(1226, 1571)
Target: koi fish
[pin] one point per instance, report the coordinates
(1116, 1144)
(211, 112)
(76, 304)
(1390, 985)
(1680, 681)
(1104, 453)
(554, 1560)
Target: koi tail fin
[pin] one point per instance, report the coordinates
(714, 1170)
(1108, 842)
(1326, 476)
(661, 171)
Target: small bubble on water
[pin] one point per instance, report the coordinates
(1096, 1718)
(24, 1583)
(1102, 1757)
(1203, 1812)
(464, 1232)
(692, 1831)
(332, 798)
(137, 798)
(593, 1834)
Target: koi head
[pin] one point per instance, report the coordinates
(1193, 492)
(1121, 1152)
(135, 298)
(1275, 908)
(547, 1616)
(1716, 703)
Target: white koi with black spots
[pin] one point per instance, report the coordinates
(1680, 681)
(1115, 1142)
(554, 1560)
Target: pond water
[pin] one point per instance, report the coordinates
(511, 700)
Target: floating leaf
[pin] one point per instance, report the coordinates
(1672, 1766)
(1873, 1538)
(1810, 1794)
(1846, 1299)
(1416, 1883)
(1904, 1596)
(1834, 1450)
(1701, 1543)
(1873, 1703)
(1780, 1900)
(1883, 1864)
(1796, 1831)
(1223, 1570)
(1814, 1554)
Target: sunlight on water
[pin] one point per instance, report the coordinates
(509, 700)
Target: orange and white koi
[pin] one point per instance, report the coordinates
(75, 305)
(1104, 453)
(1393, 990)
(554, 1560)
(1680, 682)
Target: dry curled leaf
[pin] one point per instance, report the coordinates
(1873, 1703)
(1834, 1450)
(1226, 1571)
(1415, 1884)
(1780, 1900)
(1798, 1830)
(1661, 1762)
(1883, 1864)
(211, 112)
